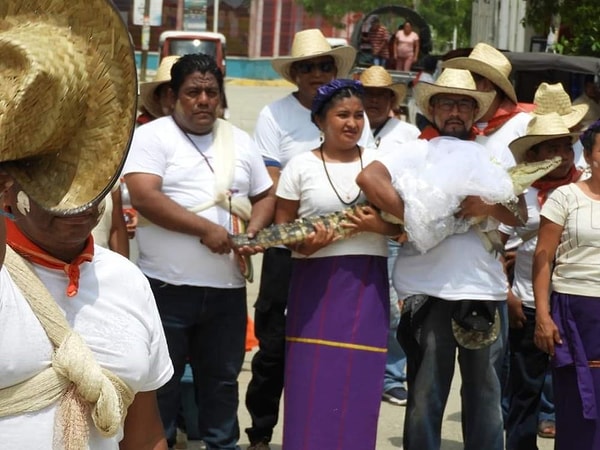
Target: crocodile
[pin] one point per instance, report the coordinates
(522, 176)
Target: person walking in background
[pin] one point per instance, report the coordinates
(381, 97)
(379, 37)
(547, 136)
(338, 308)
(193, 176)
(283, 130)
(406, 47)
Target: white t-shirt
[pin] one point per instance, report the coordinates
(115, 313)
(522, 284)
(284, 130)
(161, 148)
(459, 267)
(304, 179)
(577, 263)
(515, 127)
(394, 133)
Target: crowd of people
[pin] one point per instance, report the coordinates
(95, 347)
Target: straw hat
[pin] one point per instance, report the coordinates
(310, 44)
(488, 62)
(540, 129)
(452, 81)
(68, 89)
(378, 77)
(147, 89)
(553, 98)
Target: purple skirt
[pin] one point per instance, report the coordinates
(337, 326)
(576, 372)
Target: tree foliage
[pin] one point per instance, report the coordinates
(579, 23)
(441, 15)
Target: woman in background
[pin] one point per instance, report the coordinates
(406, 47)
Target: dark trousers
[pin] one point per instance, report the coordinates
(208, 326)
(265, 387)
(528, 366)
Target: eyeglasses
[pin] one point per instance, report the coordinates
(447, 104)
(307, 67)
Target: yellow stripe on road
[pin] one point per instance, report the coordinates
(366, 348)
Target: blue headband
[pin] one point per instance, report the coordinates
(327, 91)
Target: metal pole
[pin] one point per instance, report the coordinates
(216, 17)
(145, 40)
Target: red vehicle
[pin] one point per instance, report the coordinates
(184, 42)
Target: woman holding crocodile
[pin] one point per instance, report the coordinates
(338, 302)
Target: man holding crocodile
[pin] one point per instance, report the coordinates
(456, 279)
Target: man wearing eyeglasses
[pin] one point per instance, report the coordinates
(283, 130)
(456, 283)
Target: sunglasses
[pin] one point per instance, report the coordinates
(307, 67)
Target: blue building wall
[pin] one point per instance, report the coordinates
(237, 67)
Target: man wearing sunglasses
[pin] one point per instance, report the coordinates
(283, 130)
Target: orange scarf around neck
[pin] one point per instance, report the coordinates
(506, 111)
(545, 187)
(36, 255)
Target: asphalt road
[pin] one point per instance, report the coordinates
(246, 98)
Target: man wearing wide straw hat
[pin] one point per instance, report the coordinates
(553, 98)
(548, 135)
(505, 119)
(156, 98)
(453, 290)
(283, 130)
(82, 348)
(381, 96)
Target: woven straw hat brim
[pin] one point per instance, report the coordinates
(571, 119)
(485, 70)
(424, 91)
(377, 77)
(519, 146)
(540, 129)
(148, 100)
(163, 75)
(66, 128)
(343, 56)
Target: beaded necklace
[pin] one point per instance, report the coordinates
(331, 183)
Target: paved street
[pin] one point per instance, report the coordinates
(245, 102)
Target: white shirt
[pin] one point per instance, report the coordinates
(522, 282)
(577, 264)
(161, 148)
(394, 133)
(115, 313)
(284, 130)
(304, 179)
